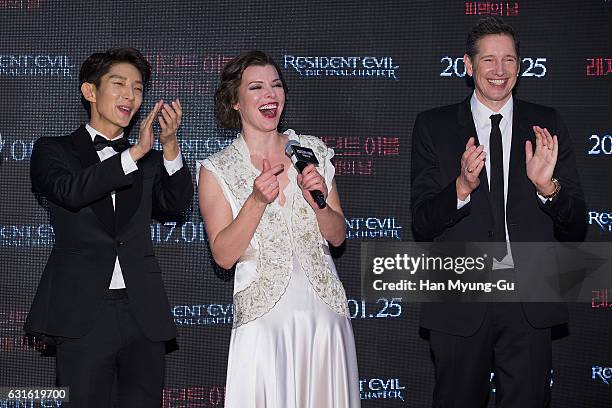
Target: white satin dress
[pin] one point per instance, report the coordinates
(301, 354)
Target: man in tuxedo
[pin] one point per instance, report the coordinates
(101, 297)
(494, 168)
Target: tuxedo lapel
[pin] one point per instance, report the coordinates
(517, 175)
(127, 200)
(467, 129)
(88, 156)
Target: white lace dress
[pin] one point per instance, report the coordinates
(301, 353)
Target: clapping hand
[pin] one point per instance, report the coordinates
(541, 163)
(472, 163)
(169, 121)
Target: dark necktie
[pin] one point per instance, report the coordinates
(118, 145)
(497, 188)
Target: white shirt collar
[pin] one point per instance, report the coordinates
(93, 132)
(482, 113)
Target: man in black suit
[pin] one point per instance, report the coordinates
(101, 296)
(494, 168)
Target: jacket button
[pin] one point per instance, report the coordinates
(120, 243)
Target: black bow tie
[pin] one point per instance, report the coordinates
(118, 145)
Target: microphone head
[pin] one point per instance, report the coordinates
(289, 147)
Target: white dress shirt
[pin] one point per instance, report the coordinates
(482, 120)
(129, 166)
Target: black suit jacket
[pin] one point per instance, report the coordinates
(89, 234)
(438, 141)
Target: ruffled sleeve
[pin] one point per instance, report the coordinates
(208, 165)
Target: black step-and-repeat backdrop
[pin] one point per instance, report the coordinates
(358, 73)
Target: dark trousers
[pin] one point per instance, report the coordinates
(115, 349)
(519, 355)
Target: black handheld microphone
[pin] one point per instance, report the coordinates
(301, 157)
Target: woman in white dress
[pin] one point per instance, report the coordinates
(292, 344)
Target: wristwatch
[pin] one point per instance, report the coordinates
(555, 191)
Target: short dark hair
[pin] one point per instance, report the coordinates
(226, 95)
(98, 64)
(487, 26)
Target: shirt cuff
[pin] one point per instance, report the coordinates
(542, 199)
(461, 203)
(127, 163)
(172, 166)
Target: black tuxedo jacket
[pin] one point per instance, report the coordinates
(89, 234)
(439, 140)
